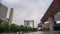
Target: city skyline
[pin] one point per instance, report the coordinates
(27, 9)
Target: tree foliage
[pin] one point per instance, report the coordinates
(14, 28)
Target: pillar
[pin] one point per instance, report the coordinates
(51, 23)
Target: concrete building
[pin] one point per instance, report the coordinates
(29, 23)
(3, 11)
(10, 16)
(49, 16)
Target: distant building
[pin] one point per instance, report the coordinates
(29, 23)
(39, 26)
(3, 14)
(26, 23)
(43, 26)
(10, 16)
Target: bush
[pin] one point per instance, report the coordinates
(15, 28)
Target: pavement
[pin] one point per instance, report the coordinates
(39, 32)
(44, 32)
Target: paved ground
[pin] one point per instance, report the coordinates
(39, 32)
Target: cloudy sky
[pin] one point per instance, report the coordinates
(27, 10)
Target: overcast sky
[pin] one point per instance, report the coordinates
(27, 10)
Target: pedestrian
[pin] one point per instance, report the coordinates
(18, 32)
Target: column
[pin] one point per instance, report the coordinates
(51, 22)
(42, 23)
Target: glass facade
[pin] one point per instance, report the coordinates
(29, 23)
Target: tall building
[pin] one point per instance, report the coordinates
(29, 23)
(10, 16)
(3, 11)
(26, 23)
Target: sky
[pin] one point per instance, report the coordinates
(27, 10)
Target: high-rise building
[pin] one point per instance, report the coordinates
(10, 16)
(26, 23)
(3, 11)
(29, 23)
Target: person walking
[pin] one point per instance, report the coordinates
(18, 32)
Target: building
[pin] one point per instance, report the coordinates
(43, 26)
(29, 23)
(39, 27)
(10, 16)
(3, 11)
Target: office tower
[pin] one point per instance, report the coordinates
(3, 11)
(29, 23)
(26, 23)
(10, 16)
